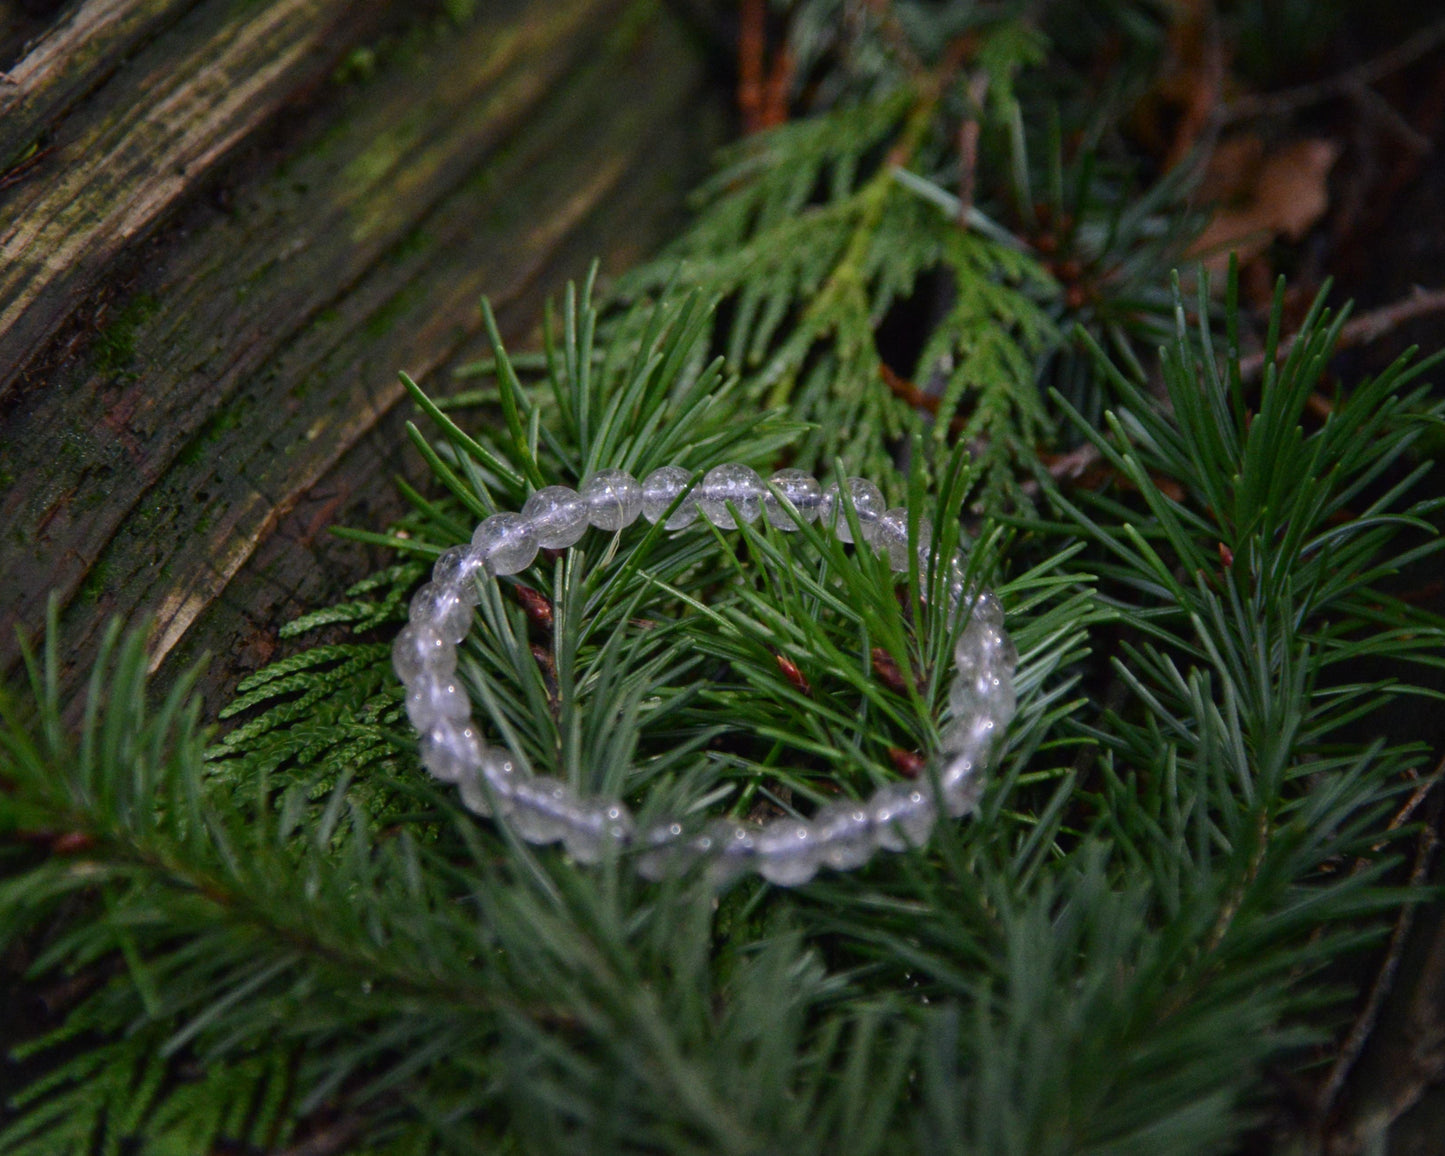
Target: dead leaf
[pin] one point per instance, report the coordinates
(1265, 195)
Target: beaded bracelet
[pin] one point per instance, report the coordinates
(841, 835)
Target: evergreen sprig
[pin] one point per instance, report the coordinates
(298, 931)
(283, 935)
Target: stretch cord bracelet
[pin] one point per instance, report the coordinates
(841, 835)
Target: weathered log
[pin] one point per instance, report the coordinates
(217, 399)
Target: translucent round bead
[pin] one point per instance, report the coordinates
(733, 483)
(983, 691)
(593, 829)
(664, 854)
(982, 647)
(952, 574)
(987, 610)
(442, 608)
(451, 751)
(844, 833)
(542, 809)
(434, 700)
(792, 496)
(457, 570)
(902, 815)
(490, 791)
(558, 516)
(660, 489)
(868, 505)
(787, 852)
(506, 543)
(960, 784)
(420, 649)
(889, 535)
(731, 849)
(971, 733)
(614, 499)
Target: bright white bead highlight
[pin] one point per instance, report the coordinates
(558, 516)
(793, 496)
(660, 489)
(614, 499)
(506, 543)
(867, 502)
(735, 484)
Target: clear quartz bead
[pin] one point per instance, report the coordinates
(542, 809)
(420, 649)
(844, 832)
(442, 608)
(731, 849)
(490, 791)
(890, 536)
(902, 815)
(733, 483)
(987, 610)
(787, 852)
(506, 543)
(660, 489)
(960, 784)
(457, 570)
(434, 700)
(558, 516)
(451, 750)
(868, 506)
(596, 827)
(971, 732)
(664, 853)
(792, 496)
(614, 499)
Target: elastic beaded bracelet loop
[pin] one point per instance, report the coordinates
(541, 809)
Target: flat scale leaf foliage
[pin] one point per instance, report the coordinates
(288, 935)
(812, 232)
(816, 232)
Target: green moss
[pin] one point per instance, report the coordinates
(95, 583)
(380, 323)
(211, 431)
(113, 350)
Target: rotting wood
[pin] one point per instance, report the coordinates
(75, 55)
(122, 161)
(261, 340)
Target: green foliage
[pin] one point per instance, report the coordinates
(815, 233)
(294, 930)
(285, 935)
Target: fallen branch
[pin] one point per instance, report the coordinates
(1363, 329)
(1344, 84)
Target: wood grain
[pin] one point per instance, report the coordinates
(232, 385)
(122, 162)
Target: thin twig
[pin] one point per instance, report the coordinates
(751, 44)
(1363, 329)
(968, 134)
(1291, 99)
(1369, 1014)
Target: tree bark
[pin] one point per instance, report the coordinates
(240, 233)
